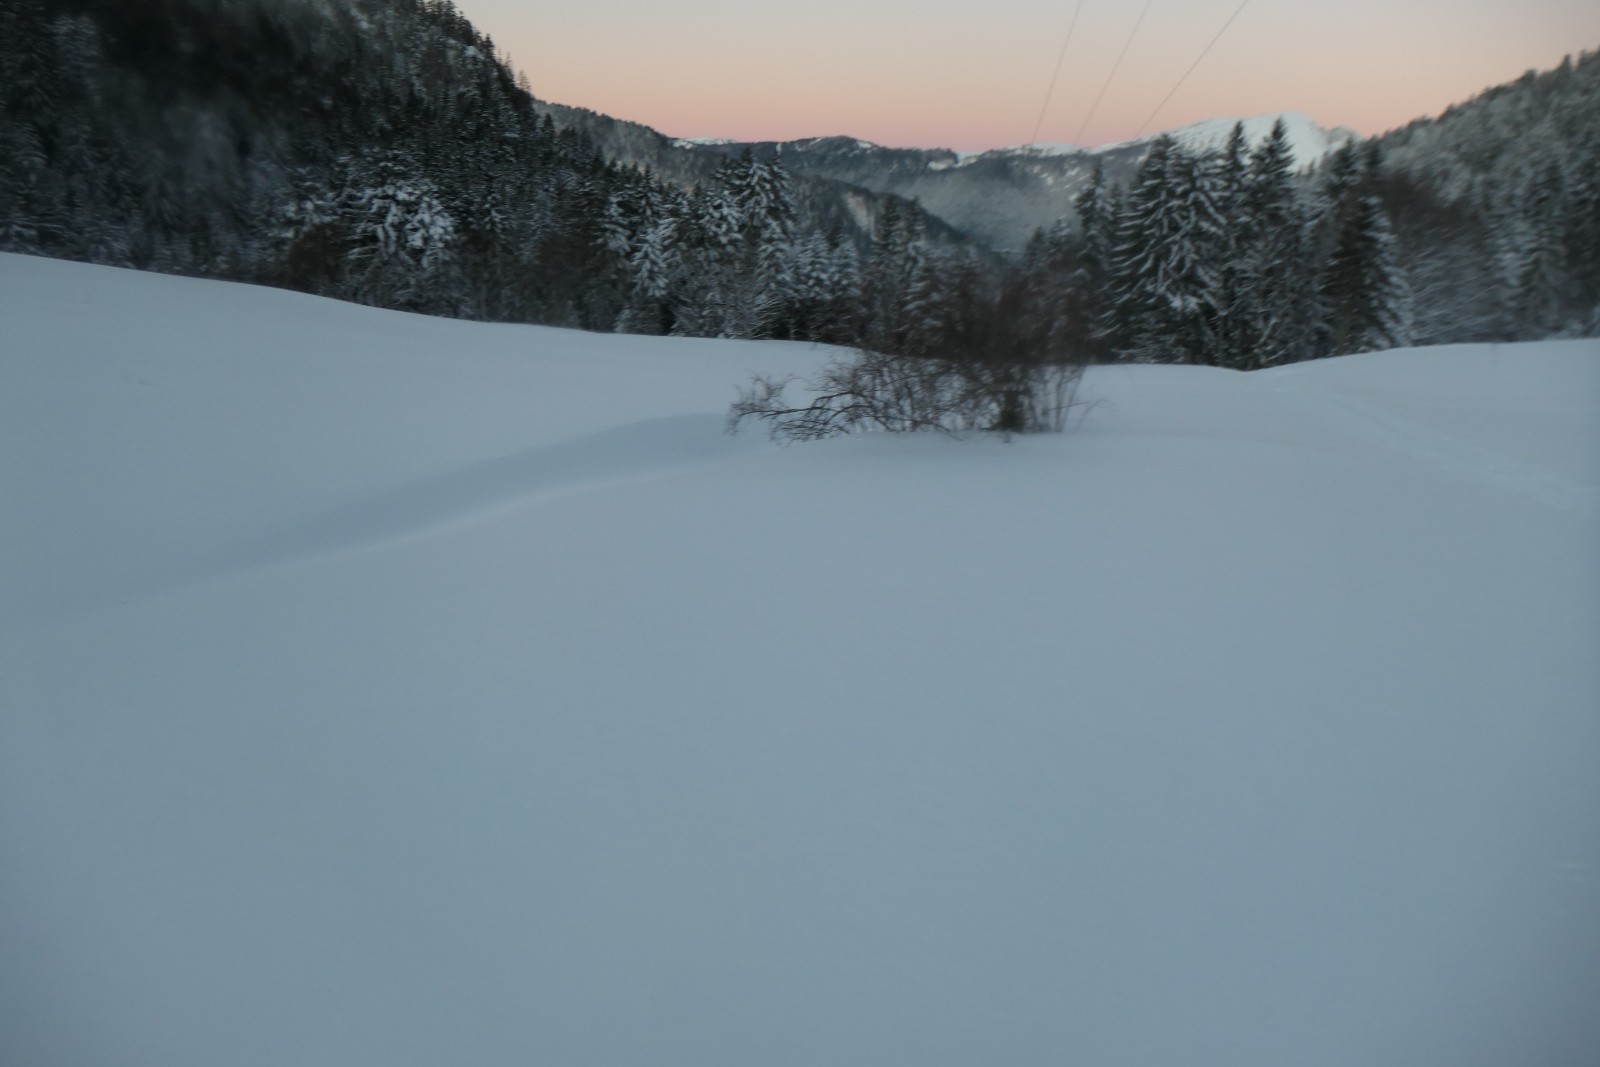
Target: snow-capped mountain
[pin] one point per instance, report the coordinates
(1000, 197)
(997, 198)
(1308, 141)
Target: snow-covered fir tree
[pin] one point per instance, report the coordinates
(897, 255)
(1273, 307)
(1164, 270)
(1541, 281)
(1364, 294)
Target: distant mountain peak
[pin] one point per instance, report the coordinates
(1308, 141)
(1001, 196)
(702, 142)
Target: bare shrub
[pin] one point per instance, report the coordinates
(979, 358)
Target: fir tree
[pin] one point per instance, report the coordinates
(1090, 280)
(1233, 165)
(1163, 276)
(1541, 286)
(1272, 298)
(897, 255)
(1363, 291)
(1583, 231)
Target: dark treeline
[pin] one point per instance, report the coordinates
(373, 150)
(383, 151)
(1228, 259)
(1483, 225)
(1496, 206)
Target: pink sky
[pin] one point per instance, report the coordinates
(973, 76)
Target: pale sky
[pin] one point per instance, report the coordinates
(973, 75)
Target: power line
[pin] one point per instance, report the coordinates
(1120, 56)
(1048, 93)
(1204, 52)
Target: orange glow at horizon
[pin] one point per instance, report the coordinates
(957, 76)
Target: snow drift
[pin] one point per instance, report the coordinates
(385, 690)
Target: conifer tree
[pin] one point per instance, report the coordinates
(1232, 166)
(30, 210)
(1364, 293)
(1583, 232)
(1090, 280)
(1541, 288)
(1273, 298)
(400, 236)
(1163, 278)
(655, 268)
(897, 254)
(1129, 247)
(1342, 172)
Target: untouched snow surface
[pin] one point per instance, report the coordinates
(384, 690)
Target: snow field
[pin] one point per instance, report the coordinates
(379, 689)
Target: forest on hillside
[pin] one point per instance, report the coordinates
(383, 151)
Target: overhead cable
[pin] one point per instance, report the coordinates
(1120, 56)
(1071, 26)
(1204, 52)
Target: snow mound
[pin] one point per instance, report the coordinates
(377, 689)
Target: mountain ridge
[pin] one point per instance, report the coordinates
(1309, 140)
(998, 198)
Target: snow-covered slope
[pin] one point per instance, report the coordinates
(1308, 142)
(385, 690)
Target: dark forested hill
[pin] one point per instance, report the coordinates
(996, 199)
(1497, 207)
(376, 150)
(382, 151)
(372, 149)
